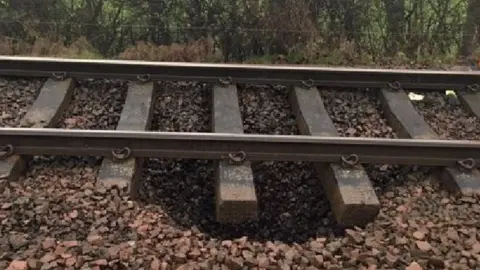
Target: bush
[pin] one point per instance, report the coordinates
(43, 47)
(198, 51)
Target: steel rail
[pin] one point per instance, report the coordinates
(238, 73)
(48, 141)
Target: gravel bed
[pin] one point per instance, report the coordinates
(96, 104)
(293, 206)
(55, 218)
(183, 187)
(358, 113)
(419, 226)
(16, 96)
(447, 117)
(48, 212)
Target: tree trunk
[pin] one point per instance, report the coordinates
(395, 10)
(470, 28)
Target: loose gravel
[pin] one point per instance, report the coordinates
(96, 104)
(16, 96)
(56, 218)
(358, 113)
(184, 188)
(447, 117)
(419, 226)
(48, 215)
(293, 206)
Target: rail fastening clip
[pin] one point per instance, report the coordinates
(59, 76)
(144, 78)
(350, 160)
(308, 83)
(6, 151)
(468, 164)
(226, 81)
(121, 154)
(396, 86)
(237, 158)
(473, 88)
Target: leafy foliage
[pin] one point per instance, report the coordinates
(347, 32)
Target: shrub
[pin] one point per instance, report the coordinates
(198, 51)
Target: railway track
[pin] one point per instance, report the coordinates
(338, 159)
(143, 125)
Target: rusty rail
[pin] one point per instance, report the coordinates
(236, 147)
(225, 74)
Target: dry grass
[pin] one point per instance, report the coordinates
(287, 17)
(81, 48)
(198, 51)
(316, 51)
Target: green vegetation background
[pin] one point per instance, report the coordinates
(413, 33)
